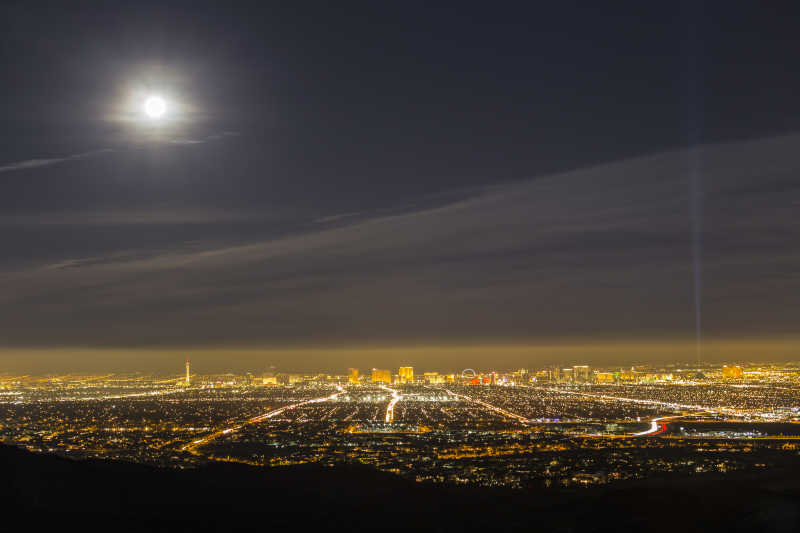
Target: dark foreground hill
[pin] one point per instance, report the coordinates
(41, 492)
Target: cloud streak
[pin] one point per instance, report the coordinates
(46, 162)
(29, 164)
(213, 137)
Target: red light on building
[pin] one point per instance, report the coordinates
(475, 381)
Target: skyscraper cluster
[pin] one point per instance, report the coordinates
(406, 374)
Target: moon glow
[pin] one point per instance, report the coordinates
(155, 107)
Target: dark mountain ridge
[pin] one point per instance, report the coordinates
(49, 492)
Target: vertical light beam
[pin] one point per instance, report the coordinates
(694, 130)
(696, 201)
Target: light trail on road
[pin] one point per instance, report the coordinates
(390, 408)
(656, 427)
(192, 447)
(491, 407)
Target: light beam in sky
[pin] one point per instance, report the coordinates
(695, 126)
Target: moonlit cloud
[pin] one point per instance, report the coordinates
(29, 164)
(44, 162)
(212, 137)
(186, 141)
(603, 251)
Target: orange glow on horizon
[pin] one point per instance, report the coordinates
(444, 357)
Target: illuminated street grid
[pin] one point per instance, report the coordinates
(756, 401)
(514, 430)
(139, 427)
(552, 405)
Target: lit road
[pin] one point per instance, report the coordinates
(728, 411)
(671, 405)
(162, 392)
(656, 426)
(390, 408)
(192, 447)
(145, 394)
(498, 410)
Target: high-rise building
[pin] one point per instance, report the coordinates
(604, 377)
(381, 376)
(188, 381)
(732, 372)
(434, 378)
(406, 374)
(352, 375)
(581, 373)
(291, 378)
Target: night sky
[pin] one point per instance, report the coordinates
(377, 183)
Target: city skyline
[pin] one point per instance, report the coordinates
(548, 427)
(577, 372)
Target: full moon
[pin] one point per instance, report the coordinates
(154, 107)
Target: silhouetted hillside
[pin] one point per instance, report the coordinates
(47, 492)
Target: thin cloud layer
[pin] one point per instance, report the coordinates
(603, 252)
(45, 162)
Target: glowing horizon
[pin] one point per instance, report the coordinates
(451, 356)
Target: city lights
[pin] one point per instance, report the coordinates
(548, 426)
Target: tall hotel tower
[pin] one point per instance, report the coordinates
(187, 371)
